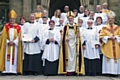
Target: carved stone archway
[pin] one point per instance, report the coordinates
(46, 4)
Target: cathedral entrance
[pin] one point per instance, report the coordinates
(59, 4)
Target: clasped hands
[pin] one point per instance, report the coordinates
(111, 37)
(11, 43)
(51, 40)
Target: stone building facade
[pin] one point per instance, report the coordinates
(25, 7)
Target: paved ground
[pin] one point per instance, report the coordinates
(56, 78)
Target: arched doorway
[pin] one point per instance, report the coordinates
(59, 4)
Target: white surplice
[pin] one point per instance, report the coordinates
(103, 16)
(64, 15)
(11, 68)
(90, 35)
(40, 21)
(32, 48)
(43, 27)
(56, 19)
(59, 27)
(99, 28)
(51, 50)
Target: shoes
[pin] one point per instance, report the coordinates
(35, 73)
(3, 74)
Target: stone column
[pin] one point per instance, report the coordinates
(27, 8)
(17, 6)
(45, 4)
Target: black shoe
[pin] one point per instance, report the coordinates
(88, 74)
(3, 74)
(35, 73)
(93, 74)
(113, 75)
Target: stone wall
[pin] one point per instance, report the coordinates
(25, 7)
(17, 6)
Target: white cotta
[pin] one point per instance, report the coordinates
(40, 21)
(103, 16)
(64, 15)
(51, 50)
(56, 19)
(43, 28)
(11, 68)
(90, 35)
(34, 30)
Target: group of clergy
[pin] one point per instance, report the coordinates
(72, 43)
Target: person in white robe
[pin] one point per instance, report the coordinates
(91, 50)
(43, 27)
(44, 14)
(98, 25)
(50, 57)
(110, 40)
(60, 26)
(99, 13)
(22, 21)
(63, 14)
(56, 17)
(81, 11)
(105, 8)
(32, 52)
(82, 29)
(91, 17)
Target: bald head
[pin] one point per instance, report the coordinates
(66, 8)
(98, 8)
(105, 5)
(81, 8)
(32, 17)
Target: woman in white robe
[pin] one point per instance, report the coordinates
(50, 57)
(56, 17)
(98, 26)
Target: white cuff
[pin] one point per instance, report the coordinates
(117, 39)
(105, 39)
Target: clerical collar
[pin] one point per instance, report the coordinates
(21, 24)
(89, 28)
(50, 29)
(85, 15)
(81, 12)
(59, 25)
(98, 24)
(31, 22)
(44, 23)
(99, 12)
(91, 18)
